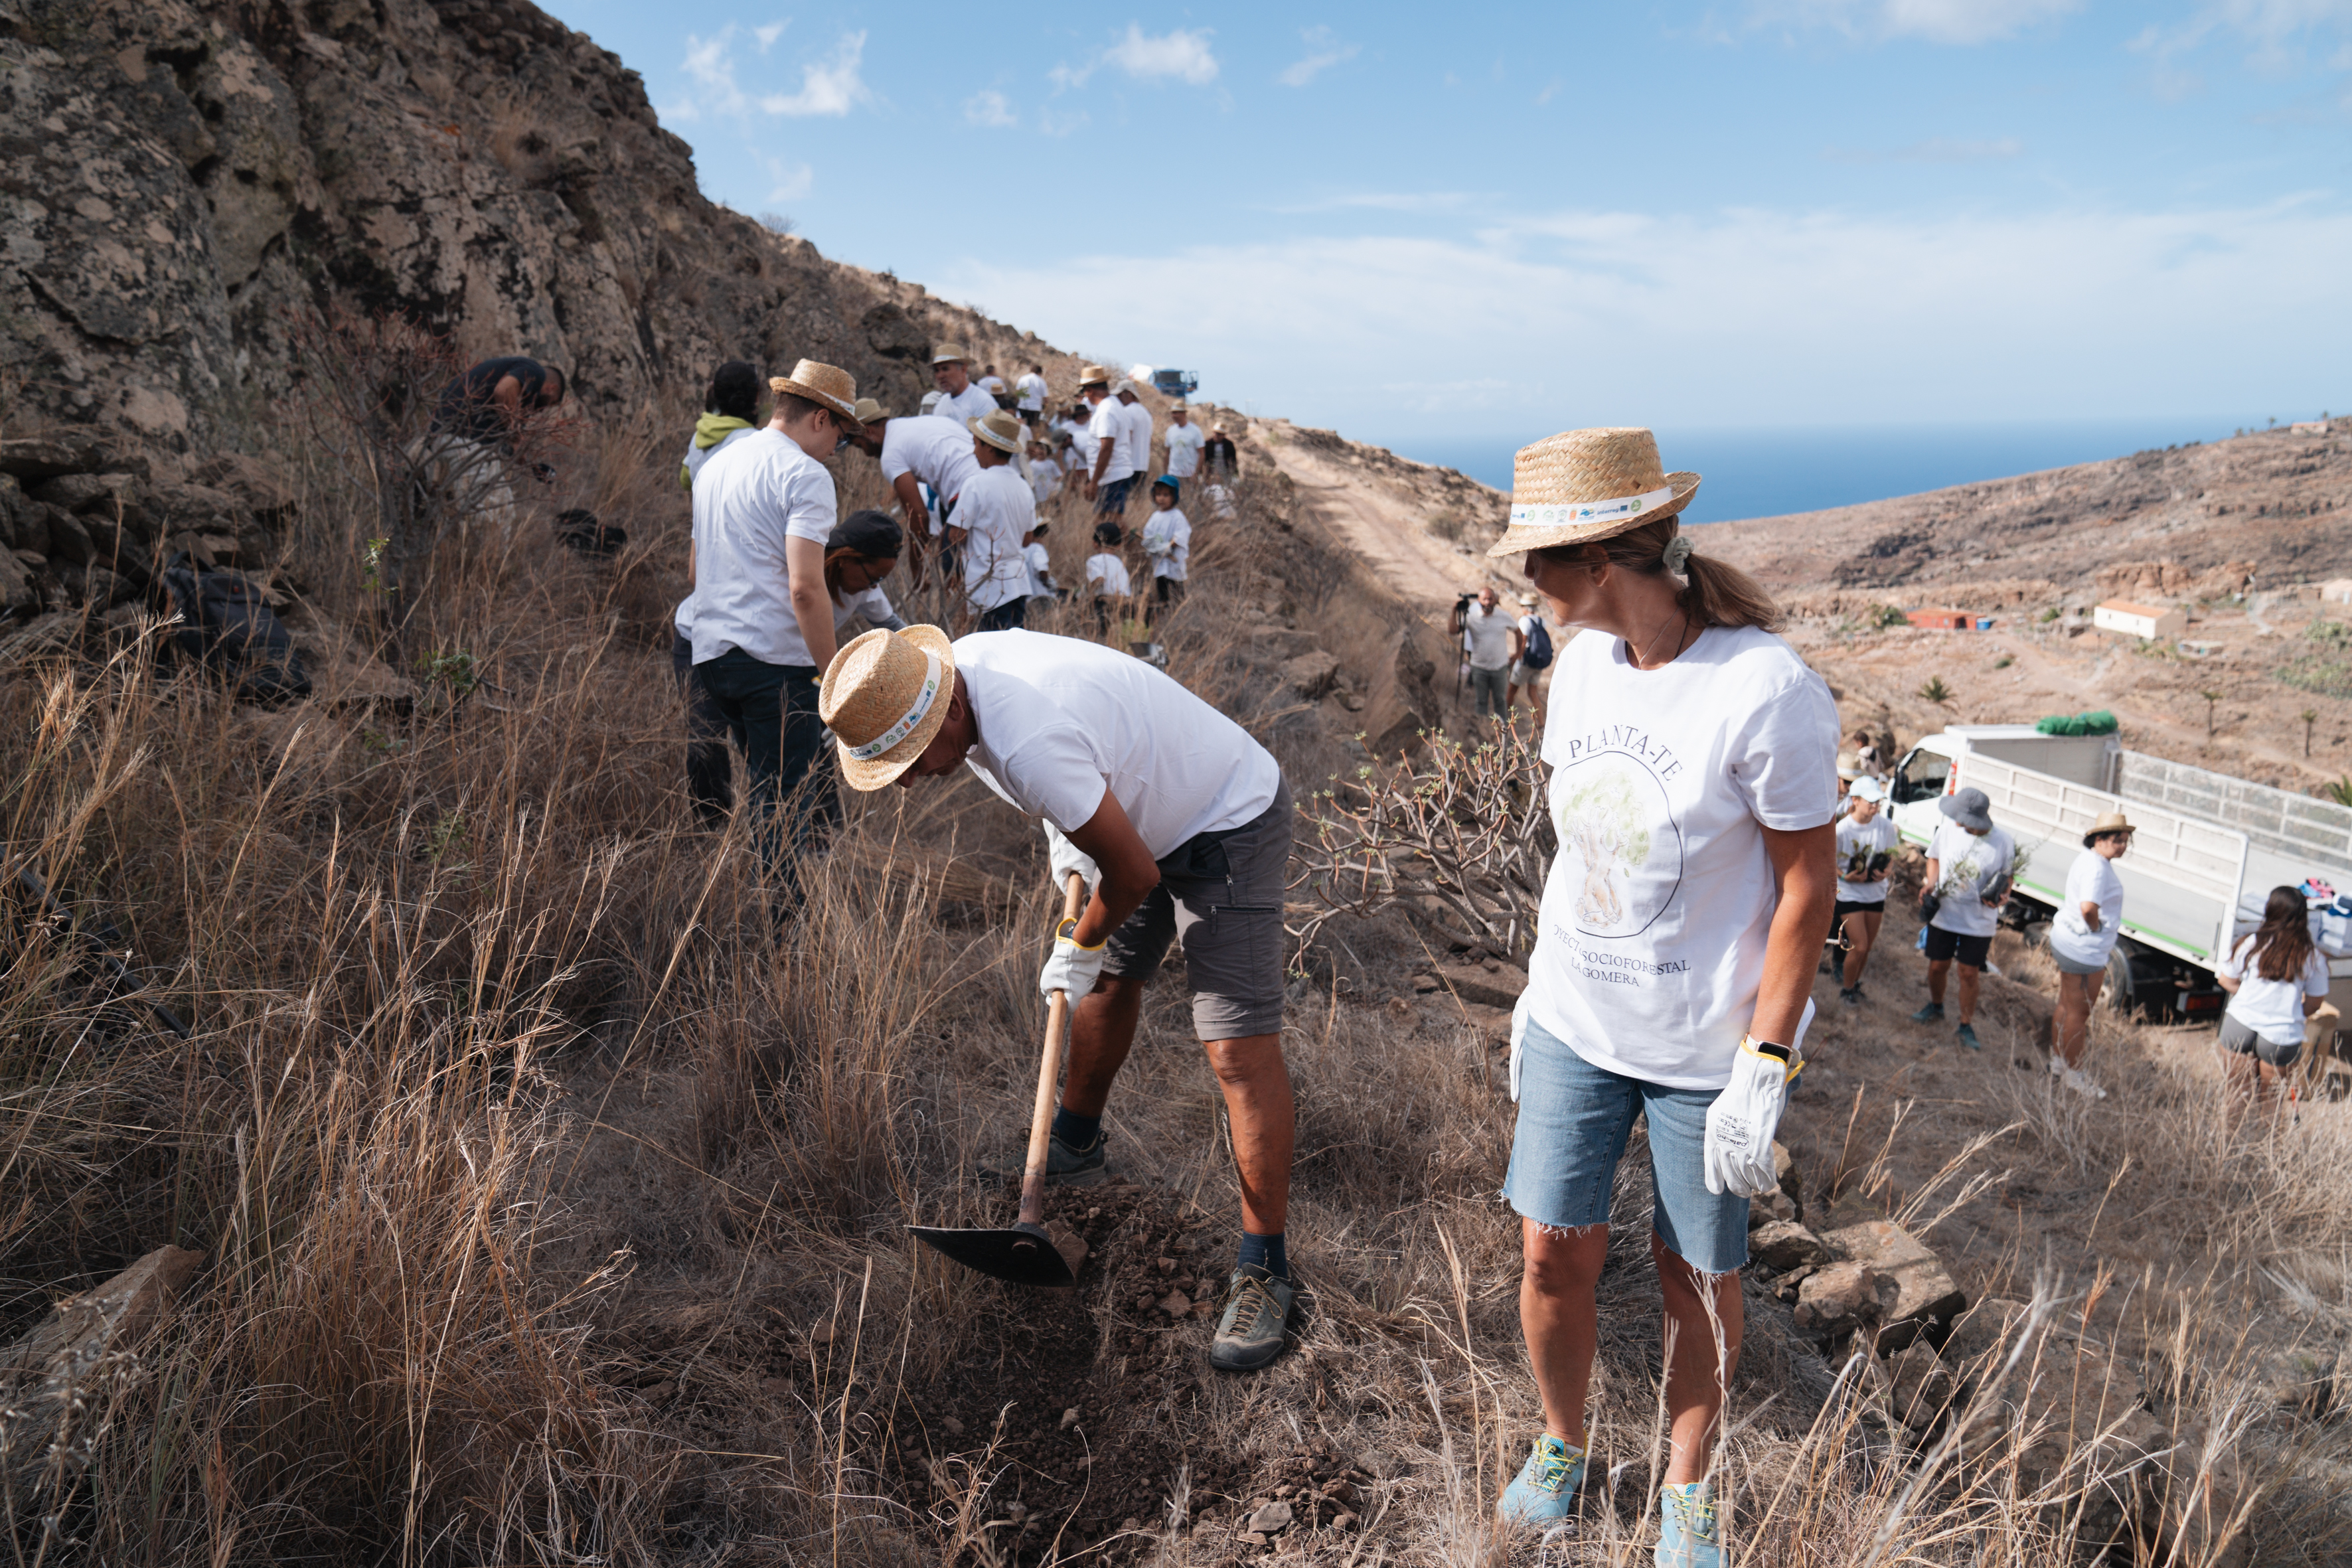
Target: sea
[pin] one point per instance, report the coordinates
(1764, 472)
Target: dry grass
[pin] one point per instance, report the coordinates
(551, 1199)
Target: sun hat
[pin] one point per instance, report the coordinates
(869, 412)
(1969, 808)
(1129, 389)
(1179, 402)
(1173, 487)
(2110, 822)
(828, 387)
(884, 697)
(1868, 789)
(1000, 430)
(1093, 375)
(949, 354)
(1527, 601)
(1849, 767)
(1583, 485)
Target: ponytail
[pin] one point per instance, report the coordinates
(1718, 593)
(2283, 942)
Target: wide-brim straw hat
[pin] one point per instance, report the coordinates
(829, 386)
(1093, 375)
(949, 354)
(2110, 822)
(1000, 430)
(1849, 767)
(1527, 601)
(884, 697)
(1583, 485)
(868, 411)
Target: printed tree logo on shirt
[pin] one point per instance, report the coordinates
(1612, 814)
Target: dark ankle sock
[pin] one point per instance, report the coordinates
(1265, 1252)
(1077, 1131)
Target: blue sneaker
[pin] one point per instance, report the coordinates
(1931, 1013)
(1545, 1489)
(1686, 1532)
(1968, 1036)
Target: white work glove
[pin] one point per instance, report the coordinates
(1519, 1042)
(1067, 857)
(1745, 1116)
(1074, 969)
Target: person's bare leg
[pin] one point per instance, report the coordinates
(1860, 936)
(1258, 1102)
(1970, 979)
(1102, 1031)
(1558, 1316)
(1696, 1376)
(1936, 970)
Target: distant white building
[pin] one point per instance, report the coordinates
(2336, 591)
(2139, 620)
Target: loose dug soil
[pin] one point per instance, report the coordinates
(1126, 1350)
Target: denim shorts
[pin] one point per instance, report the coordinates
(1574, 1118)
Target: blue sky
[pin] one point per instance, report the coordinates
(1429, 225)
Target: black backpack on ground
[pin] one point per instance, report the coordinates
(226, 626)
(1536, 655)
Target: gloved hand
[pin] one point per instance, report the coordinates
(1074, 969)
(1519, 1042)
(1067, 857)
(1741, 1122)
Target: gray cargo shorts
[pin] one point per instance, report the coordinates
(1220, 895)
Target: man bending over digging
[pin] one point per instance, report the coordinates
(1179, 824)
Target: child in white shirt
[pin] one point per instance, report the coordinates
(1041, 567)
(1167, 541)
(1044, 474)
(1107, 578)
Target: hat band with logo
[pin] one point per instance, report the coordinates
(1568, 514)
(925, 695)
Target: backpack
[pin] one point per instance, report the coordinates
(1536, 655)
(227, 627)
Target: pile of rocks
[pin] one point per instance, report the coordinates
(2071, 1415)
(84, 530)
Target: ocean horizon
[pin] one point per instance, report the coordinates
(1764, 472)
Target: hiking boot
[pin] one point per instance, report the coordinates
(1849, 996)
(1687, 1537)
(1933, 1013)
(2081, 1082)
(1258, 1311)
(1545, 1492)
(1968, 1036)
(1064, 1166)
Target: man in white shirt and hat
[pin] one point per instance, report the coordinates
(1185, 440)
(959, 397)
(763, 621)
(923, 449)
(994, 517)
(1181, 822)
(1137, 420)
(1110, 474)
(1031, 399)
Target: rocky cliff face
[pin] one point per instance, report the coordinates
(177, 180)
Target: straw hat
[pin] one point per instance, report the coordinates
(1583, 485)
(949, 354)
(1180, 404)
(869, 412)
(2110, 822)
(884, 695)
(1527, 601)
(1000, 430)
(1093, 375)
(1849, 767)
(825, 385)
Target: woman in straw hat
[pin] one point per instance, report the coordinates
(993, 516)
(762, 619)
(1180, 822)
(1693, 772)
(2082, 939)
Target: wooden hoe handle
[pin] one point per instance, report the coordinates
(1049, 1073)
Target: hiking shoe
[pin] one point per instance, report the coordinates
(1686, 1532)
(1933, 1013)
(1545, 1490)
(1258, 1311)
(1064, 1166)
(2081, 1082)
(1849, 996)
(1968, 1036)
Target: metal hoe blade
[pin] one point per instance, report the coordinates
(1022, 1255)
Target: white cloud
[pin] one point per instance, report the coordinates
(989, 108)
(1937, 21)
(1936, 149)
(1323, 52)
(2280, 31)
(1385, 201)
(831, 87)
(793, 180)
(1744, 317)
(1175, 54)
(769, 34)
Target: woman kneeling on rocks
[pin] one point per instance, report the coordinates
(1694, 764)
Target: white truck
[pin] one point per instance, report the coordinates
(2208, 849)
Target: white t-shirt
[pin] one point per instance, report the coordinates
(1138, 421)
(1486, 634)
(1032, 388)
(1167, 541)
(1041, 570)
(1106, 576)
(2271, 1008)
(990, 385)
(695, 457)
(1108, 425)
(1968, 870)
(1060, 717)
(1865, 849)
(748, 500)
(2091, 879)
(935, 450)
(1650, 947)
(971, 403)
(1044, 478)
(1184, 444)
(998, 511)
(872, 604)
